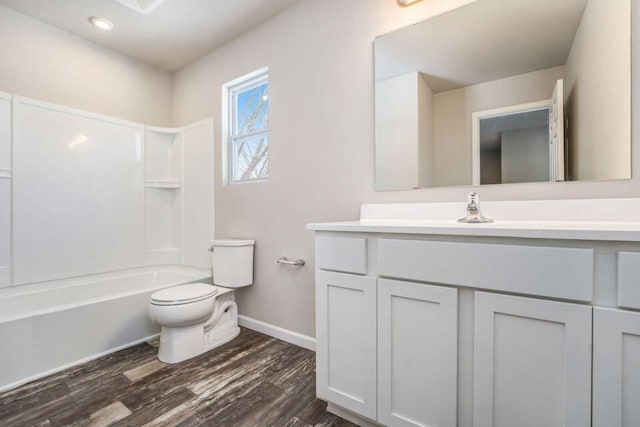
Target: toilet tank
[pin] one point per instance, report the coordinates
(232, 262)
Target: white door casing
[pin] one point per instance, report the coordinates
(556, 133)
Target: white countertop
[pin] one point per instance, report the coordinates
(565, 230)
(586, 219)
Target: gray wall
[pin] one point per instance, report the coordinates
(320, 56)
(42, 62)
(597, 94)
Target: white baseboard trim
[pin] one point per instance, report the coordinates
(292, 337)
(8, 387)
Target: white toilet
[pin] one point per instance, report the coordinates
(199, 317)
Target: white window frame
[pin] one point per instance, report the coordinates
(229, 92)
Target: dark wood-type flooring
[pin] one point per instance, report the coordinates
(254, 380)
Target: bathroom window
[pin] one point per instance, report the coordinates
(247, 133)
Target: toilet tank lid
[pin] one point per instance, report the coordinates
(232, 242)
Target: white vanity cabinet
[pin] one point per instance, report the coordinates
(391, 347)
(532, 362)
(435, 324)
(616, 368)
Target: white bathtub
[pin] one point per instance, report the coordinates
(50, 326)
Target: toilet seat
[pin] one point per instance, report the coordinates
(183, 294)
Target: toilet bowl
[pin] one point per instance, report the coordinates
(198, 317)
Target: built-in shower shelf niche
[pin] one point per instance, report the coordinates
(164, 130)
(163, 154)
(166, 185)
(163, 195)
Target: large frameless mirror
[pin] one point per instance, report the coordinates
(501, 92)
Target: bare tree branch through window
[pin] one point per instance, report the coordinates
(250, 133)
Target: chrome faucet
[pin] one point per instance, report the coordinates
(474, 216)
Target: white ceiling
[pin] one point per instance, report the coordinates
(173, 35)
(484, 41)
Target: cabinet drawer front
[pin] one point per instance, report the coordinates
(553, 272)
(346, 254)
(629, 279)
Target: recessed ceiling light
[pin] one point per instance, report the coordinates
(102, 23)
(407, 2)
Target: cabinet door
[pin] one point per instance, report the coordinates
(417, 354)
(346, 341)
(616, 368)
(532, 362)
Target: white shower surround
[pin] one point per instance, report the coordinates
(50, 326)
(76, 200)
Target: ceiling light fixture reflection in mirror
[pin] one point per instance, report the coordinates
(506, 91)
